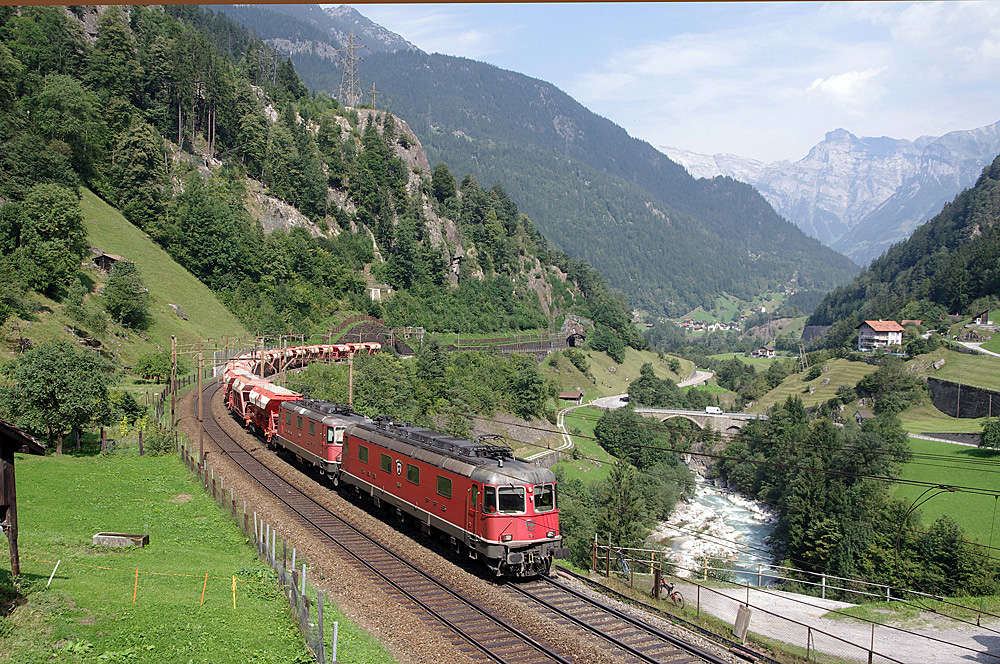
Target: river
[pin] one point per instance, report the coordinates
(718, 524)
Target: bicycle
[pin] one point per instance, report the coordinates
(672, 593)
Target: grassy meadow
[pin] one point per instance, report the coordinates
(167, 281)
(839, 372)
(958, 465)
(592, 463)
(608, 377)
(88, 613)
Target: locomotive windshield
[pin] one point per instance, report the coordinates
(545, 497)
(511, 499)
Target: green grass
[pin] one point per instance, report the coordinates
(584, 467)
(840, 372)
(961, 465)
(759, 363)
(88, 615)
(993, 344)
(903, 614)
(925, 418)
(609, 377)
(977, 370)
(168, 283)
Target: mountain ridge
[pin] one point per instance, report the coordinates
(665, 239)
(861, 195)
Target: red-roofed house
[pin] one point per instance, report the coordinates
(875, 334)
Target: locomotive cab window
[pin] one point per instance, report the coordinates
(362, 454)
(412, 473)
(444, 487)
(489, 500)
(474, 496)
(511, 499)
(386, 463)
(312, 428)
(545, 497)
(330, 431)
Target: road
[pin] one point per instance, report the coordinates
(697, 377)
(977, 346)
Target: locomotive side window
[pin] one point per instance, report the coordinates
(511, 499)
(489, 499)
(362, 454)
(312, 428)
(288, 418)
(298, 421)
(412, 473)
(475, 496)
(386, 463)
(545, 497)
(444, 487)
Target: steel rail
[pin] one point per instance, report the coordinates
(288, 495)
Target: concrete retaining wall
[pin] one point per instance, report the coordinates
(957, 400)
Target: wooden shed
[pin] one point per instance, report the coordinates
(12, 440)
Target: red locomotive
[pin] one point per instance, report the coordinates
(498, 508)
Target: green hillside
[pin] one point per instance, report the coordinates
(667, 240)
(607, 377)
(168, 283)
(839, 372)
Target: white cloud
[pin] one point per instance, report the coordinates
(853, 88)
(775, 81)
(439, 29)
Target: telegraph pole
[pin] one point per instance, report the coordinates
(173, 381)
(201, 419)
(350, 379)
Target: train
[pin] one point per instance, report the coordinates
(476, 494)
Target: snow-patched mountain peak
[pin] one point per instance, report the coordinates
(860, 195)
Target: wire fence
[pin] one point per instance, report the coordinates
(306, 602)
(766, 611)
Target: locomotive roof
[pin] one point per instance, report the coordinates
(486, 461)
(325, 411)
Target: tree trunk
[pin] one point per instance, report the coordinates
(180, 125)
(59, 443)
(76, 437)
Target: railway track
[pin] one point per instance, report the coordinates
(473, 630)
(640, 642)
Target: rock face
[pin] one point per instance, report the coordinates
(861, 195)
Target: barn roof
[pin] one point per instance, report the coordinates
(11, 436)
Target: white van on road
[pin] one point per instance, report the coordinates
(713, 410)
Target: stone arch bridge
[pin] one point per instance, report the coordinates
(725, 423)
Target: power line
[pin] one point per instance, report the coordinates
(787, 466)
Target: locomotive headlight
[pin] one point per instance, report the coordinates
(506, 538)
(551, 533)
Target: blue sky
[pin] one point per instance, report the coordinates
(760, 80)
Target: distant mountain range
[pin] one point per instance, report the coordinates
(860, 195)
(667, 240)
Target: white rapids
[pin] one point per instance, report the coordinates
(717, 524)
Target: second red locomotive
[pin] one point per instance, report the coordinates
(500, 509)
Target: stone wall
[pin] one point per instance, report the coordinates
(957, 400)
